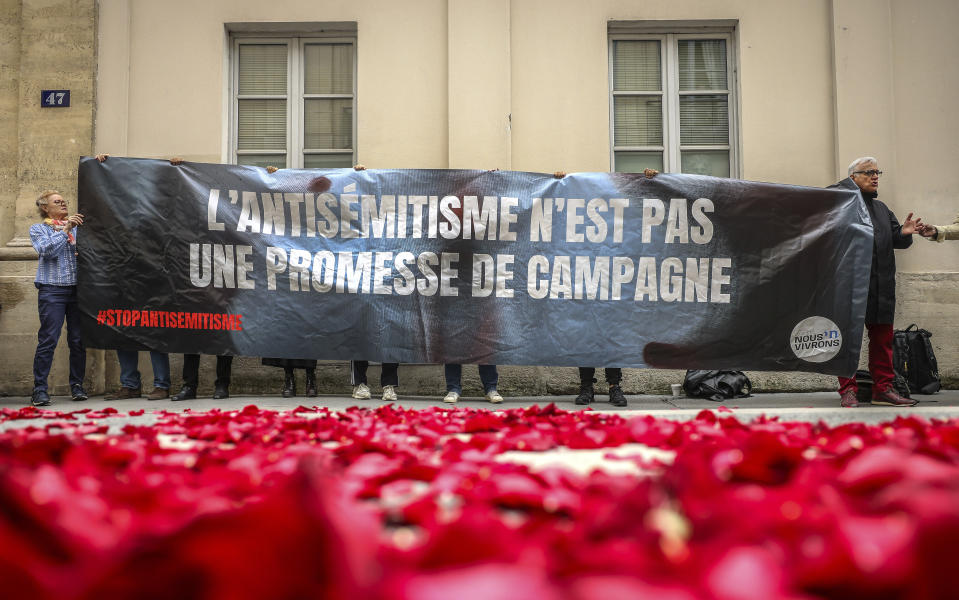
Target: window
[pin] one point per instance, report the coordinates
(293, 102)
(672, 103)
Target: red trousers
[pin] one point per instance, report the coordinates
(880, 360)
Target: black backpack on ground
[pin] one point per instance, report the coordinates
(717, 385)
(864, 384)
(912, 356)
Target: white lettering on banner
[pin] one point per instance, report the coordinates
(274, 218)
(597, 221)
(417, 203)
(574, 219)
(541, 220)
(244, 267)
(294, 201)
(211, 206)
(507, 219)
(275, 263)
(200, 272)
(330, 224)
(300, 263)
(429, 284)
(359, 273)
(381, 272)
(249, 214)
(654, 211)
(223, 264)
(448, 271)
(450, 227)
(482, 275)
(477, 221)
(490, 218)
(618, 204)
(504, 275)
(603, 277)
(704, 233)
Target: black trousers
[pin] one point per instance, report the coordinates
(388, 376)
(613, 375)
(191, 370)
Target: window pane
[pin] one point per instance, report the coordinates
(328, 68)
(262, 160)
(635, 162)
(702, 65)
(703, 120)
(327, 161)
(706, 162)
(262, 69)
(636, 66)
(328, 123)
(261, 125)
(638, 121)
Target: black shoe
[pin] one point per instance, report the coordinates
(289, 387)
(185, 393)
(40, 398)
(220, 392)
(311, 384)
(585, 395)
(616, 397)
(77, 393)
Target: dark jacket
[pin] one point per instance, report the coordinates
(887, 235)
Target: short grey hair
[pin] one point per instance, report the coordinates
(44, 199)
(854, 165)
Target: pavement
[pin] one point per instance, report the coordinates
(808, 407)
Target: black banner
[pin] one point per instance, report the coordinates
(434, 266)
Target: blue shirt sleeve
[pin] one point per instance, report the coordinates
(46, 241)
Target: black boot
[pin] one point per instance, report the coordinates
(311, 383)
(289, 385)
(585, 394)
(186, 393)
(616, 397)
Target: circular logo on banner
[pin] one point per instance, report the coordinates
(816, 339)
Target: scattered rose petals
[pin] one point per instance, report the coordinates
(438, 503)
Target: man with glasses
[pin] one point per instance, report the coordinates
(888, 235)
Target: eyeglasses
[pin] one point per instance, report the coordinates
(869, 173)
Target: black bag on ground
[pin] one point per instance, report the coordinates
(912, 356)
(717, 385)
(864, 385)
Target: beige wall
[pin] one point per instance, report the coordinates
(467, 84)
(560, 88)
(169, 97)
(9, 109)
(926, 126)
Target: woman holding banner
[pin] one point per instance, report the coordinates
(55, 241)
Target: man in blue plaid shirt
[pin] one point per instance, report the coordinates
(55, 241)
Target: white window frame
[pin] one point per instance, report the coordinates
(670, 93)
(295, 96)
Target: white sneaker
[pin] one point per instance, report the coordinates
(361, 392)
(494, 397)
(389, 393)
(451, 397)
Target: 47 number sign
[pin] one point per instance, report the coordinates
(55, 98)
